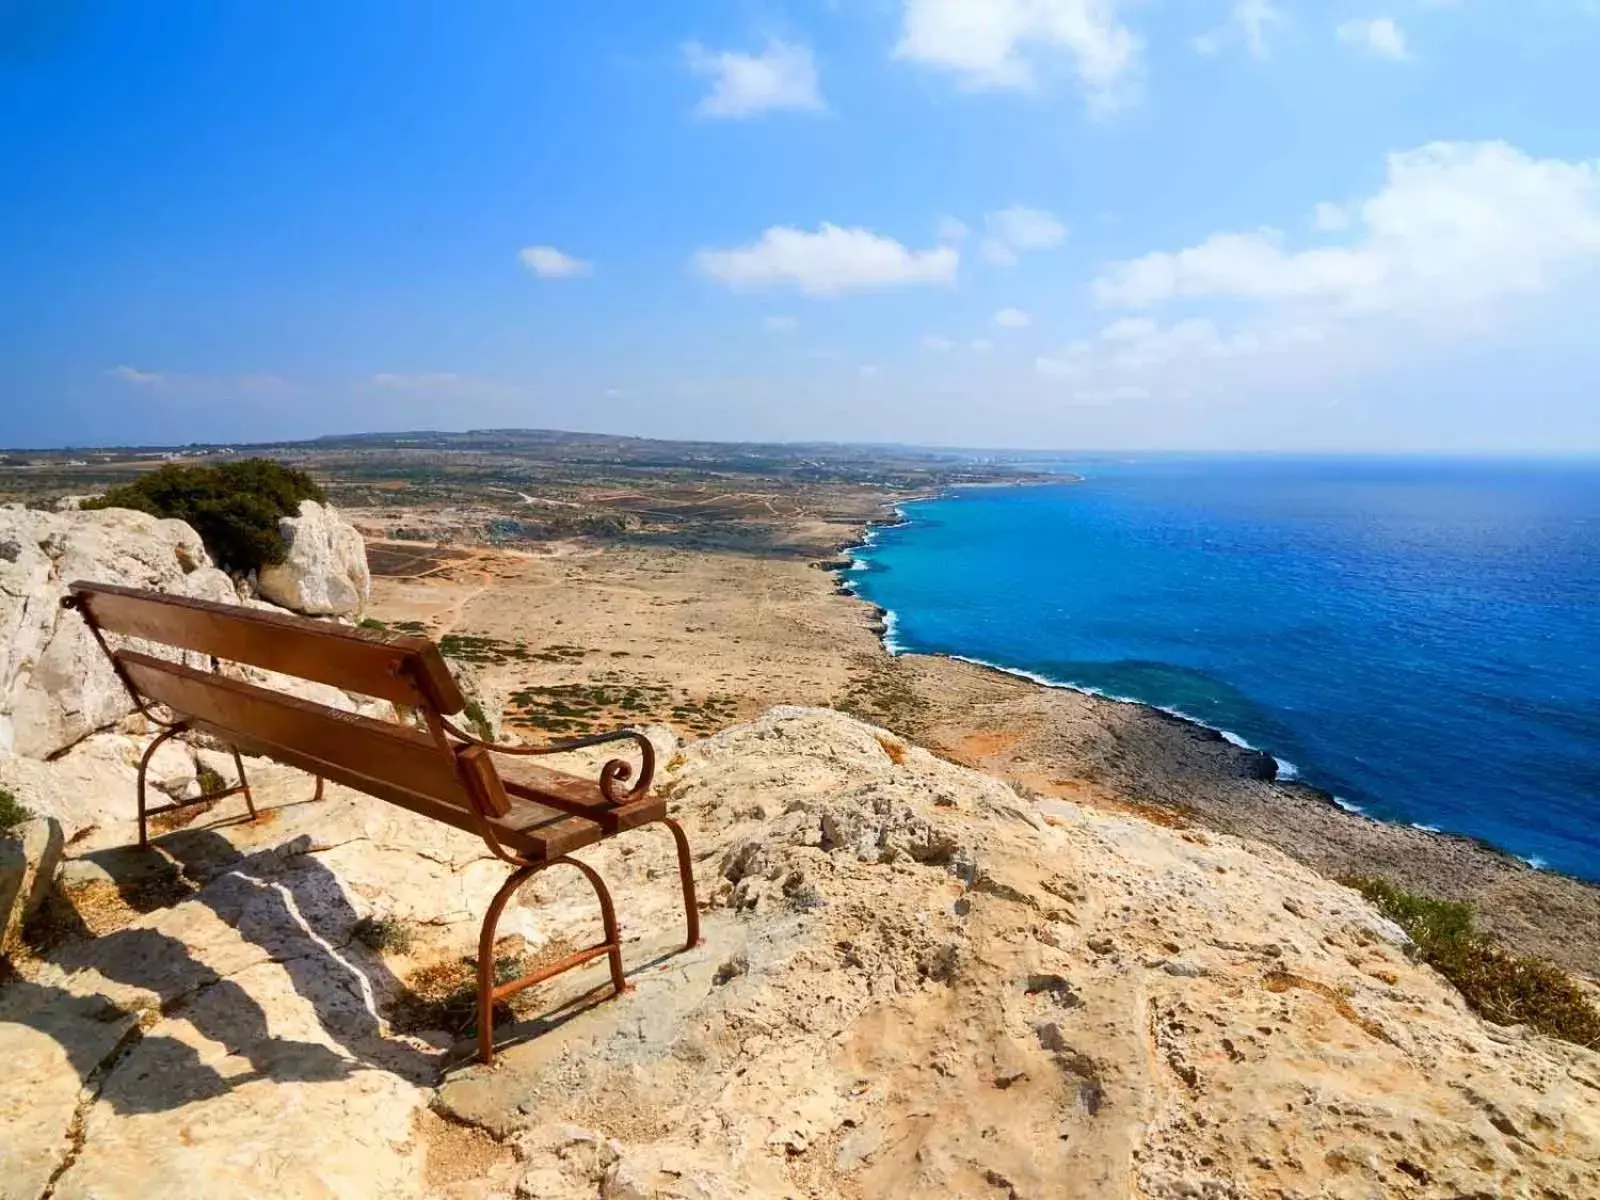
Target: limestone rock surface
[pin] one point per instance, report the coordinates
(30, 856)
(912, 982)
(325, 572)
(55, 685)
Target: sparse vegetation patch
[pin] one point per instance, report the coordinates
(1506, 988)
(879, 693)
(481, 650)
(12, 812)
(385, 934)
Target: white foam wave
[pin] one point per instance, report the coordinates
(1286, 769)
(1349, 807)
(1534, 861)
(891, 624)
(1426, 828)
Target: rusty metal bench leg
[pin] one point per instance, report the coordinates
(691, 910)
(240, 788)
(489, 992)
(167, 734)
(244, 782)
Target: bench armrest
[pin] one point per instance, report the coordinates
(613, 773)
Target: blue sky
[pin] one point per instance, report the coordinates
(1184, 224)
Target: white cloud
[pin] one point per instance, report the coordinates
(1252, 22)
(1377, 36)
(1255, 19)
(549, 263)
(1002, 43)
(1455, 224)
(830, 262)
(136, 377)
(780, 324)
(1015, 229)
(1136, 357)
(936, 344)
(981, 345)
(782, 76)
(1457, 235)
(952, 230)
(1330, 218)
(1012, 318)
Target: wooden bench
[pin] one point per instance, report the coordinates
(529, 816)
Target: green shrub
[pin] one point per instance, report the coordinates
(12, 812)
(234, 507)
(1507, 988)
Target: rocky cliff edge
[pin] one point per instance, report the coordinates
(913, 982)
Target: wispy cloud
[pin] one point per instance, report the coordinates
(549, 263)
(1012, 231)
(831, 261)
(1251, 22)
(182, 381)
(990, 44)
(1378, 36)
(782, 76)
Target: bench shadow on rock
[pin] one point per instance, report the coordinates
(292, 909)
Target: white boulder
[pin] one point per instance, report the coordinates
(325, 572)
(55, 685)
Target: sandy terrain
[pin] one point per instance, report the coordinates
(716, 637)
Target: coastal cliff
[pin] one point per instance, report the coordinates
(917, 978)
(914, 981)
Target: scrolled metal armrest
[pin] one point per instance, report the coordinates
(613, 772)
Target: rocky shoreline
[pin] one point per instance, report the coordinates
(1200, 776)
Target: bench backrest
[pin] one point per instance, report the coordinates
(408, 766)
(404, 670)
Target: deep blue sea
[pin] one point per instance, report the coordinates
(1420, 638)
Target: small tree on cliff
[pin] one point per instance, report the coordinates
(234, 507)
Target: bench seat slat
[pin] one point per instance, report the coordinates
(393, 762)
(406, 671)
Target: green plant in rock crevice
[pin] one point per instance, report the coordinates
(12, 812)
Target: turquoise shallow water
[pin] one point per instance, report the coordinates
(1422, 639)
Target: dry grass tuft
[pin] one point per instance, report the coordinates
(444, 995)
(385, 934)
